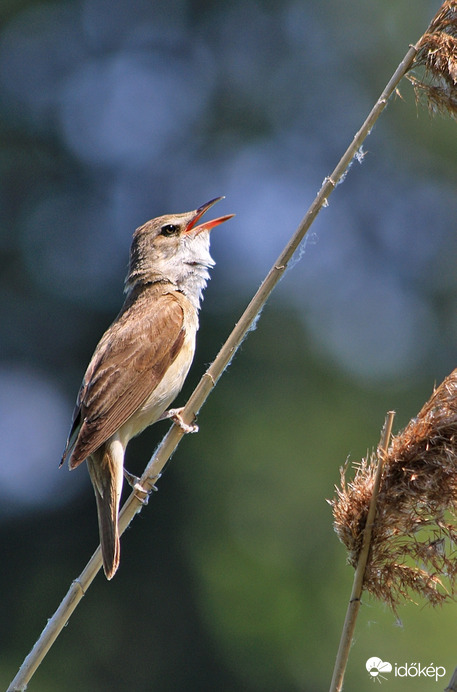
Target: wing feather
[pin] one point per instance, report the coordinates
(128, 363)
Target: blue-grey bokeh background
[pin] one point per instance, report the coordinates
(112, 112)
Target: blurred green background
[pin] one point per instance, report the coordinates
(116, 111)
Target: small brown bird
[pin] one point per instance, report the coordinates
(142, 360)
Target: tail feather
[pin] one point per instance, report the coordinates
(106, 473)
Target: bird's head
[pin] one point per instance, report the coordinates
(174, 248)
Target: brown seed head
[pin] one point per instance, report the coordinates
(414, 539)
(437, 55)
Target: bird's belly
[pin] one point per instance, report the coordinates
(162, 396)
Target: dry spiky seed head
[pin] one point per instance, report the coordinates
(437, 54)
(414, 538)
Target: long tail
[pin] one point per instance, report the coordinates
(106, 473)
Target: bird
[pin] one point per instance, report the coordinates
(140, 363)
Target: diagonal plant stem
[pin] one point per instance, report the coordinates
(208, 381)
(452, 687)
(357, 586)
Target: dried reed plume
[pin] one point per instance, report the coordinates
(437, 54)
(413, 543)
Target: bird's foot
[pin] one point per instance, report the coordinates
(175, 415)
(140, 492)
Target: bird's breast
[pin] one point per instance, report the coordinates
(172, 381)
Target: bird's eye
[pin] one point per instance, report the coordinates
(169, 229)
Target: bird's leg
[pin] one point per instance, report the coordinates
(175, 415)
(140, 492)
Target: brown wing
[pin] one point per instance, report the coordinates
(127, 365)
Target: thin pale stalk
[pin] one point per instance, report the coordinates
(211, 376)
(452, 687)
(58, 621)
(357, 586)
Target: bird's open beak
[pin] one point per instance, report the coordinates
(208, 225)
